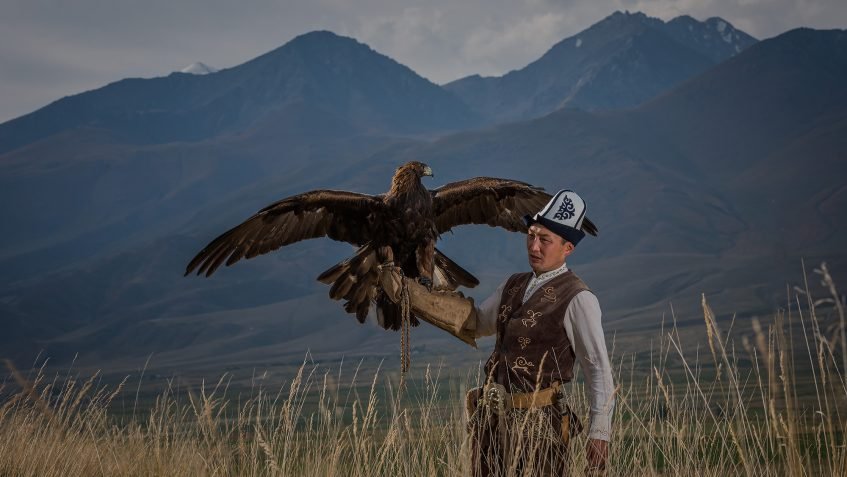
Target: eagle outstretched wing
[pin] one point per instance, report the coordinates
(385, 227)
(492, 201)
(339, 215)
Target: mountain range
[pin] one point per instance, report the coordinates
(336, 77)
(618, 63)
(718, 183)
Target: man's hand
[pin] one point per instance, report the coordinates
(597, 453)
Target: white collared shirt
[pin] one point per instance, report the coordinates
(585, 332)
(537, 280)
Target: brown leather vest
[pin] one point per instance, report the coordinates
(532, 347)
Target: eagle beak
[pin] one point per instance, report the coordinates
(428, 171)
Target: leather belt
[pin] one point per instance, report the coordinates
(499, 400)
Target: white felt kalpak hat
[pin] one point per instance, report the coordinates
(563, 215)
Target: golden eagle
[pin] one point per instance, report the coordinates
(401, 225)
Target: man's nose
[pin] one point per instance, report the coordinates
(534, 243)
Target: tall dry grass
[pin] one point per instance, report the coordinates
(768, 401)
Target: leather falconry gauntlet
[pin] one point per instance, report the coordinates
(450, 311)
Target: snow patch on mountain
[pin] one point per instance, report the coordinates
(198, 68)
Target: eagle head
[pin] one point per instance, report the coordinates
(419, 168)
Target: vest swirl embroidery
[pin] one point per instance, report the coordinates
(566, 210)
(504, 312)
(524, 341)
(523, 364)
(532, 319)
(549, 294)
(514, 291)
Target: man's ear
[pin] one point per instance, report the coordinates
(569, 248)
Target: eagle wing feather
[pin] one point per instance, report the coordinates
(486, 200)
(492, 201)
(339, 215)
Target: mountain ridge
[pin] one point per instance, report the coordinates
(632, 55)
(328, 71)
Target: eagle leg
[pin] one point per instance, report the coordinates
(425, 257)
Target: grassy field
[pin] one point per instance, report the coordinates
(768, 401)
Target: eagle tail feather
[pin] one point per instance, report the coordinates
(333, 273)
(362, 311)
(341, 288)
(388, 313)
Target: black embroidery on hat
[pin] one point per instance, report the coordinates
(566, 210)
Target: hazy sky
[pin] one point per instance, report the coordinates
(54, 48)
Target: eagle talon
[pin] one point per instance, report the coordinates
(425, 282)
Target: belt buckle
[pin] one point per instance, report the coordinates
(495, 398)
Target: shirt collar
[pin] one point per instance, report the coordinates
(551, 273)
(538, 280)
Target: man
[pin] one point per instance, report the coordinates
(545, 321)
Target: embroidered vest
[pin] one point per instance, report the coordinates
(532, 347)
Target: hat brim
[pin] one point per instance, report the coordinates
(570, 234)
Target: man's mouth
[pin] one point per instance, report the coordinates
(535, 258)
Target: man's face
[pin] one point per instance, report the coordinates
(546, 251)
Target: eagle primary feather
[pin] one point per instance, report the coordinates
(401, 225)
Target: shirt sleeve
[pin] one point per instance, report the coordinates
(583, 326)
(487, 311)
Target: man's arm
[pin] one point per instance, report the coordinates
(582, 323)
(488, 311)
(450, 311)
